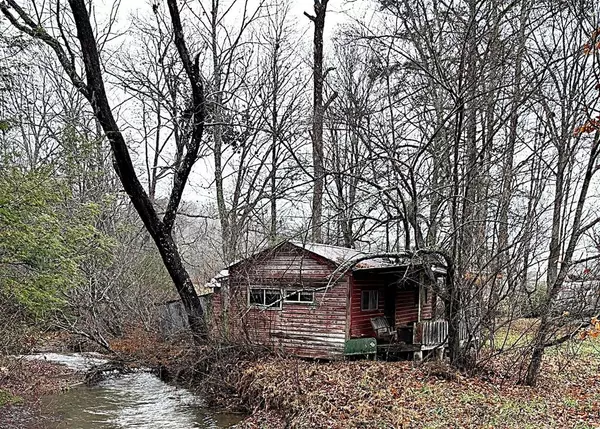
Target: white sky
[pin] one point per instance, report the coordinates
(199, 188)
(338, 11)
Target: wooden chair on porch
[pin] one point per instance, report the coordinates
(383, 330)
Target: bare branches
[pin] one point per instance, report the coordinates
(95, 91)
(183, 170)
(309, 16)
(30, 27)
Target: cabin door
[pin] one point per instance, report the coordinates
(389, 309)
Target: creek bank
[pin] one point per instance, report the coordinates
(92, 392)
(294, 393)
(210, 370)
(23, 382)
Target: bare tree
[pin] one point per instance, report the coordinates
(572, 130)
(318, 117)
(282, 92)
(93, 88)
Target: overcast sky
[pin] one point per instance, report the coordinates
(339, 11)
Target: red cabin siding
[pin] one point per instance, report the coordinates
(427, 305)
(308, 330)
(406, 307)
(319, 329)
(360, 321)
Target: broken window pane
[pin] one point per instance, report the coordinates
(272, 297)
(257, 296)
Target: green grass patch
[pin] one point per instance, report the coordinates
(510, 338)
(472, 398)
(7, 398)
(520, 334)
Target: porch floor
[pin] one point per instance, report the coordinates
(397, 348)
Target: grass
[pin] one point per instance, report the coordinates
(520, 333)
(7, 398)
(589, 347)
(515, 334)
(365, 394)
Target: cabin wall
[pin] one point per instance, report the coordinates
(407, 305)
(407, 309)
(428, 304)
(307, 330)
(360, 321)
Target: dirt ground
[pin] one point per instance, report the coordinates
(22, 383)
(364, 394)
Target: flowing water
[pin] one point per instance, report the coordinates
(135, 400)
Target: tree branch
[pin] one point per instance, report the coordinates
(183, 169)
(589, 258)
(567, 337)
(38, 32)
(330, 100)
(309, 16)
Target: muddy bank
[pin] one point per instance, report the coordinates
(23, 382)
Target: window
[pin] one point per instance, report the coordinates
(299, 296)
(265, 298)
(369, 300)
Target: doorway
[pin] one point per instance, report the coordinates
(389, 304)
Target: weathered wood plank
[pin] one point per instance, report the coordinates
(310, 330)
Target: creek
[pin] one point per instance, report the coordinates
(132, 400)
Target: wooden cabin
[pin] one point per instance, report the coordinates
(295, 298)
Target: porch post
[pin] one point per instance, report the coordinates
(420, 286)
(418, 356)
(439, 353)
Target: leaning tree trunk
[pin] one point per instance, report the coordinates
(94, 90)
(578, 229)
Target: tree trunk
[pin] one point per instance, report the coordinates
(93, 89)
(216, 109)
(274, 141)
(555, 287)
(317, 120)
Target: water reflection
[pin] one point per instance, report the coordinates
(137, 400)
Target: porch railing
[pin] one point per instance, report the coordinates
(432, 333)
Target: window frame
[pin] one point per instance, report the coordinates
(371, 293)
(291, 291)
(264, 290)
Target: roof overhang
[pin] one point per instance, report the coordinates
(438, 271)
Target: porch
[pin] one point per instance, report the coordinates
(424, 336)
(393, 311)
(402, 295)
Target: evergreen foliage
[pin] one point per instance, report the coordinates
(45, 238)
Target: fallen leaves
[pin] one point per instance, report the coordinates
(367, 394)
(22, 382)
(34, 378)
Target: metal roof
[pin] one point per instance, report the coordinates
(336, 254)
(342, 255)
